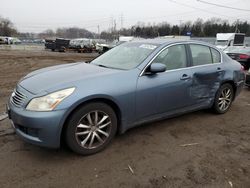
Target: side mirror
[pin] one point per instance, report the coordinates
(157, 67)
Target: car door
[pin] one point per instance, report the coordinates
(207, 72)
(167, 91)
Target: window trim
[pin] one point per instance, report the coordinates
(189, 57)
(183, 49)
(164, 48)
(212, 55)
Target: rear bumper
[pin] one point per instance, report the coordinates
(247, 80)
(239, 87)
(39, 128)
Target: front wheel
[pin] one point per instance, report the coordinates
(91, 128)
(223, 99)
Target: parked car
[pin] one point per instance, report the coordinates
(50, 44)
(242, 56)
(3, 40)
(60, 44)
(82, 45)
(133, 83)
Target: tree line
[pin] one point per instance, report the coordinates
(198, 28)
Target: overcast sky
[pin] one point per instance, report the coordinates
(39, 15)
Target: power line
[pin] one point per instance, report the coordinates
(223, 6)
(204, 10)
(155, 18)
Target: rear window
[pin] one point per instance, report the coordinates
(216, 56)
(201, 54)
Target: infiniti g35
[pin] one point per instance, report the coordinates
(136, 82)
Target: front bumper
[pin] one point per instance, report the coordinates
(40, 128)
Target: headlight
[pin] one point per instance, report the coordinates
(50, 101)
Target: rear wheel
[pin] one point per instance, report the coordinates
(91, 128)
(223, 99)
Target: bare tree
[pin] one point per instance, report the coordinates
(7, 28)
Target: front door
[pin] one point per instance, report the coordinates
(167, 91)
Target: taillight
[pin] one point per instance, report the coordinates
(244, 56)
(242, 68)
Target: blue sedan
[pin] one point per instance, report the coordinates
(134, 83)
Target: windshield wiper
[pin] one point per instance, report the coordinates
(103, 66)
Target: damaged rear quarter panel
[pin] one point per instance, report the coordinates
(207, 79)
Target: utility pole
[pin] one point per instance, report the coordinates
(180, 27)
(112, 22)
(98, 28)
(115, 29)
(121, 21)
(114, 25)
(236, 27)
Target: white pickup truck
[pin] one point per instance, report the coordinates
(230, 41)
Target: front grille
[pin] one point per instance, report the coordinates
(17, 98)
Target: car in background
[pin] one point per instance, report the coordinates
(82, 45)
(242, 56)
(248, 78)
(60, 44)
(227, 41)
(3, 40)
(136, 82)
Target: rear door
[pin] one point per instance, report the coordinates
(207, 72)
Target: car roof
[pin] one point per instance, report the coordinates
(160, 42)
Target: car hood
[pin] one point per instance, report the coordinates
(44, 80)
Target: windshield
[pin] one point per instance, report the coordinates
(125, 56)
(222, 42)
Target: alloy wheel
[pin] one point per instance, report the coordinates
(225, 99)
(93, 129)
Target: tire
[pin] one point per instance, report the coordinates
(85, 134)
(223, 99)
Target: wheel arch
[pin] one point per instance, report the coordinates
(107, 101)
(232, 83)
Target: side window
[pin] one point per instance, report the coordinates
(173, 57)
(216, 56)
(201, 55)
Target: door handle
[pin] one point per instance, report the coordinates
(185, 77)
(219, 69)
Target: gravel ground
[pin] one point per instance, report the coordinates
(199, 149)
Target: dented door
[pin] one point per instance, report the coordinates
(207, 73)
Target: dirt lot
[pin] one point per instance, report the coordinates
(155, 152)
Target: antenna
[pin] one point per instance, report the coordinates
(98, 29)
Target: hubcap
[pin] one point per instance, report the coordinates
(225, 99)
(93, 129)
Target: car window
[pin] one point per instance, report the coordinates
(216, 56)
(173, 57)
(201, 55)
(125, 56)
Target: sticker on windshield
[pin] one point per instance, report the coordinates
(148, 46)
